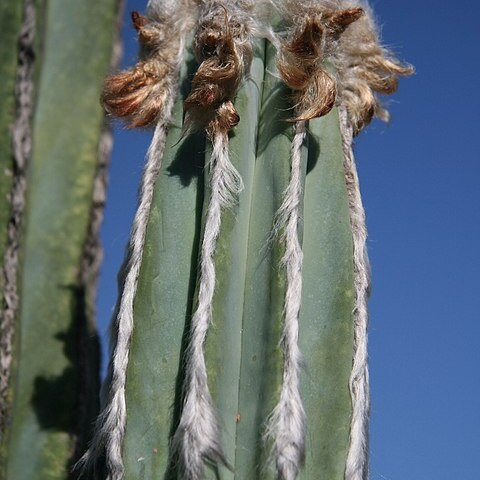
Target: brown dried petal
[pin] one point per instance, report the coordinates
(338, 21)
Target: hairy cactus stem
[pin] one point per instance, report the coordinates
(223, 47)
(301, 67)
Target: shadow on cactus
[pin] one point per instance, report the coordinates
(186, 167)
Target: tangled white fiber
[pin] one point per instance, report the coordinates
(110, 425)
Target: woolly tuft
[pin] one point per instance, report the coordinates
(107, 442)
(224, 50)
(344, 33)
(365, 69)
(303, 53)
(139, 94)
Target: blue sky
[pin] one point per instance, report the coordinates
(420, 180)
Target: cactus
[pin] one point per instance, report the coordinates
(231, 356)
(54, 146)
(238, 343)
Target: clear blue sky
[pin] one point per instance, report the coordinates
(420, 179)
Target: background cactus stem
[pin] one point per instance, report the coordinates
(53, 250)
(21, 134)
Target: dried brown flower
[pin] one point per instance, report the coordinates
(365, 69)
(138, 95)
(301, 60)
(222, 47)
